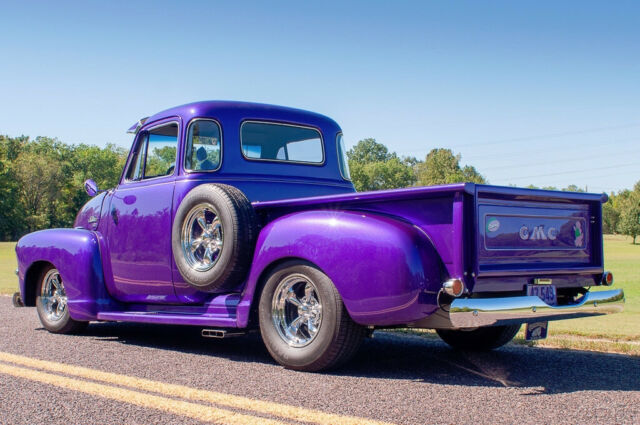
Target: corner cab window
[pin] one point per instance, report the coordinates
(155, 155)
(203, 146)
(281, 142)
(343, 161)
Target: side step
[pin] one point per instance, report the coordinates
(220, 333)
(172, 318)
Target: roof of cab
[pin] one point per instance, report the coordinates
(214, 108)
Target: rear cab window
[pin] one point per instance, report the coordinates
(268, 141)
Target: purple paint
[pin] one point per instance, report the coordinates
(387, 252)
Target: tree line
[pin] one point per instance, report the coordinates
(374, 167)
(41, 180)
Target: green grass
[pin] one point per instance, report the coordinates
(621, 257)
(8, 264)
(623, 260)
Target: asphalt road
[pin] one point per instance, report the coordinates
(139, 374)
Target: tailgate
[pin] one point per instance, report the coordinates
(525, 231)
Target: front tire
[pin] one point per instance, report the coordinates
(480, 339)
(303, 321)
(51, 304)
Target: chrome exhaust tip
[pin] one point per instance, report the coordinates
(219, 333)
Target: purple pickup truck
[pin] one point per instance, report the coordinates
(237, 216)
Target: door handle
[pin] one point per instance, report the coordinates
(114, 215)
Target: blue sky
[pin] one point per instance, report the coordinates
(527, 92)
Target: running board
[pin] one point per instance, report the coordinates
(220, 333)
(182, 318)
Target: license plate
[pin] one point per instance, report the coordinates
(546, 293)
(537, 330)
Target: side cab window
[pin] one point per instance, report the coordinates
(155, 154)
(203, 144)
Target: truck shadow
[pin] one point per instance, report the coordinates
(394, 356)
(538, 370)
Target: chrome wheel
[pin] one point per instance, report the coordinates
(202, 237)
(296, 311)
(52, 296)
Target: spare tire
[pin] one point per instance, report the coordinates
(213, 237)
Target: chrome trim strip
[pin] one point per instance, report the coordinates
(476, 312)
(136, 127)
(472, 312)
(318, 130)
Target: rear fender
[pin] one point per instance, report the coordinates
(385, 269)
(76, 255)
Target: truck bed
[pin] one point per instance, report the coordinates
(496, 238)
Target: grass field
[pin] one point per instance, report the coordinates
(620, 331)
(8, 264)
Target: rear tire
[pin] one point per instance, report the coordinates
(299, 296)
(51, 304)
(480, 339)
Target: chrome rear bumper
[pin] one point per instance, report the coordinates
(476, 312)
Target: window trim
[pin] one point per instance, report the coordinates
(346, 158)
(317, 164)
(186, 141)
(125, 180)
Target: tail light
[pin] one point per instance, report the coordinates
(453, 287)
(607, 278)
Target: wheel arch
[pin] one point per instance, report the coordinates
(262, 280)
(31, 277)
(384, 268)
(76, 254)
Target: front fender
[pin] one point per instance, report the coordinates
(385, 269)
(76, 255)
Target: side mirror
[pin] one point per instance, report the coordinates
(91, 187)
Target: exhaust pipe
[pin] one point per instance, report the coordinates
(219, 333)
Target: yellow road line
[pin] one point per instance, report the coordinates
(238, 402)
(183, 408)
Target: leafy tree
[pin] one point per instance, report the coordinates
(378, 175)
(533, 186)
(373, 167)
(367, 151)
(38, 180)
(572, 188)
(610, 217)
(629, 209)
(41, 181)
(9, 217)
(441, 166)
